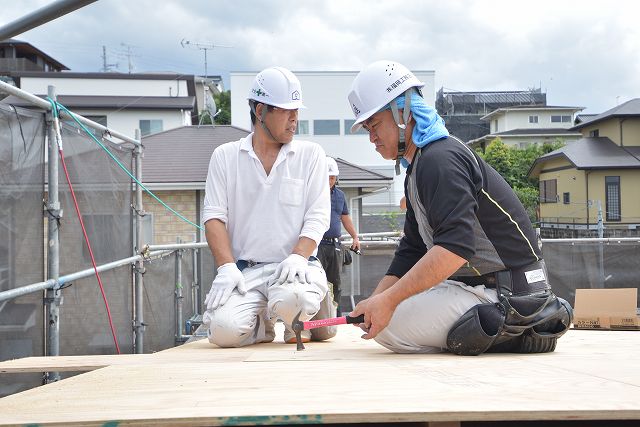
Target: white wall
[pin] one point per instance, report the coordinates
(127, 121)
(104, 87)
(324, 93)
(519, 119)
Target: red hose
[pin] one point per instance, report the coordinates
(93, 261)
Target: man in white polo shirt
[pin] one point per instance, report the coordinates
(266, 208)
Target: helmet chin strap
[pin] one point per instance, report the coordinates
(252, 105)
(402, 126)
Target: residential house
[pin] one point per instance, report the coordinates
(522, 126)
(462, 111)
(598, 175)
(123, 102)
(16, 55)
(327, 120)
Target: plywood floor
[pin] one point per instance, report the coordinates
(593, 375)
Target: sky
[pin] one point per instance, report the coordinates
(581, 53)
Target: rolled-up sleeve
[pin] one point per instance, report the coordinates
(215, 198)
(318, 207)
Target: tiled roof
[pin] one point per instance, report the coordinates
(116, 102)
(630, 108)
(593, 153)
(181, 155)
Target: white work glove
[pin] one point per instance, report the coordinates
(227, 279)
(292, 266)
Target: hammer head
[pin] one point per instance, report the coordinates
(297, 326)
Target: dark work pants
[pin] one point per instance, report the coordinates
(331, 259)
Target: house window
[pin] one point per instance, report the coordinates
(594, 133)
(566, 199)
(549, 191)
(533, 119)
(560, 119)
(326, 127)
(303, 127)
(102, 120)
(347, 128)
(147, 127)
(612, 191)
(495, 126)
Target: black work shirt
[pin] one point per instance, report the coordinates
(457, 201)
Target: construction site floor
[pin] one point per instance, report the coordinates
(592, 375)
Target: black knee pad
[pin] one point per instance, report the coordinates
(476, 330)
(552, 323)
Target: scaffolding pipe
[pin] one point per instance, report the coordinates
(51, 283)
(593, 240)
(178, 294)
(355, 266)
(41, 16)
(138, 266)
(175, 246)
(46, 105)
(53, 296)
(201, 245)
(195, 283)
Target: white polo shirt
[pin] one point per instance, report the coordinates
(266, 215)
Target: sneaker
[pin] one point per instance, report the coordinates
(290, 336)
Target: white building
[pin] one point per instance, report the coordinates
(124, 102)
(522, 126)
(327, 120)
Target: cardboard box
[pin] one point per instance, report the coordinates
(606, 309)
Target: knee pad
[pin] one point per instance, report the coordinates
(476, 330)
(545, 313)
(227, 331)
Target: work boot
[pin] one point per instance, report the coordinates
(290, 336)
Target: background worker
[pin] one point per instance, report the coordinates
(329, 252)
(468, 275)
(266, 208)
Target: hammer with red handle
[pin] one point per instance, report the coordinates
(298, 326)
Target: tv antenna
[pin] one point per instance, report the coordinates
(202, 46)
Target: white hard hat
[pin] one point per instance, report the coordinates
(277, 86)
(376, 86)
(332, 165)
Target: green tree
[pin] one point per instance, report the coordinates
(223, 103)
(498, 155)
(514, 165)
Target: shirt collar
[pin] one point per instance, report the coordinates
(246, 145)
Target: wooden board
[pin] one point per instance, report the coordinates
(592, 375)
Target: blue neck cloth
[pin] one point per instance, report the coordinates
(429, 125)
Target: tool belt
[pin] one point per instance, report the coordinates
(243, 263)
(529, 317)
(330, 241)
(526, 280)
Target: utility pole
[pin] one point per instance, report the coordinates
(128, 55)
(205, 47)
(202, 46)
(106, 67)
